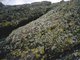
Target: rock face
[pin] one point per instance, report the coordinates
(12, 17)
(54, 36)
(1, 5)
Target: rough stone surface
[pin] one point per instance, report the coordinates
(54, 36)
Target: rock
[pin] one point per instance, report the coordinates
(50, 37)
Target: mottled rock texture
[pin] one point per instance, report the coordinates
(54, 36)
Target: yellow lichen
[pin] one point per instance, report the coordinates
(37, 55)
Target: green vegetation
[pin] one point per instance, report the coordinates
(13, 17)
(53, 36)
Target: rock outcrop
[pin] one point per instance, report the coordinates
(1, 5)
(12, 17)
(54, 36)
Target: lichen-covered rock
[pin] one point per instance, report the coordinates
(54, 36)
(12, 17)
